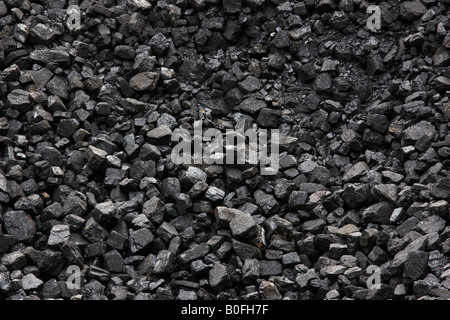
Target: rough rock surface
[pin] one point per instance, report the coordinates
(87, 124)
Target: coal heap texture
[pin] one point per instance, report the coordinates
(358, 208)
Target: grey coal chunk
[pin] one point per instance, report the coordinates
(269, 118)
(375, 65)
(232, 6)
(412, 10)
(95, 157)
(243, 226)
(378, 122)
(76, 160)
(164, 262)
(3, 183)
(186, 295)
(279, 226)
(266, 202)
(430, 225)
(314, 226)
(378, 213)
(144, 81)
(95, 249)
(47, 261)
(290, 259)
(140, 240)
(250, 84)
(385, 192)
(269, 291)
(281, 39)
(250, 271)
(307, 72)
(245, 251)
(19, 99)
(51, 154)
(225, 215)
(219, 277)
(46, 56)
(167, 232)
(14, 260)
(113, 261)
(59, 234)
(352, 138)
(149, 152)
(41, 34)
(117, 240)
(51, 289)
(441, 188)
(58, 86)
(270, 268)
(114, 176)
(93, 231)
(136, 23)
(195, 253)
(72, 253)
(153, 210)
(6, 242)
(214, 194)
(441, 58)
(67, 127)
(416, 265)
(356, 194)
(323, 83)
(191, 176)
(413, 133)
(213, 23)
(93, 290)
(159, 135)
(31, 282)
(74, 205)
(358, 170)
(378, 256)
(171, 188)
(20, 225)
(103, 212)
(183, 203)
(159, 44)
(252, 105)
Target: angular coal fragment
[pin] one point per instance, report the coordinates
(219, 277)
(20, 225)
(160, 135)
(411, 10)
(95, 156)
(14, 260)
(93, 231)
(269, 118)
(140, 240)
(144, 81)
(416, 265)
(19, 99)
(252, 105)
(243, 226)
(113, 261)
(41, 34)
(266, 202)
(59, 234)
(195, 253)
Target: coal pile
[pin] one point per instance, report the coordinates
(88, 183)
